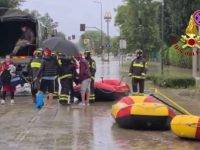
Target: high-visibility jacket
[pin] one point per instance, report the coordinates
(34, 67)
(138, 68)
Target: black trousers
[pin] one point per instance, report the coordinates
(66, 89)
(4, 95)
(92, 91)
(138, 83)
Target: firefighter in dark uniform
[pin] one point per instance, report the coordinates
(55, 56)
(138, 72)
(66, 78)
(33, 70)
(92, 66)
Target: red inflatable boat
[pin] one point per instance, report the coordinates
(108, 90)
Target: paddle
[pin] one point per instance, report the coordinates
(167, 104)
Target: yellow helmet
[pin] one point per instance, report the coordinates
(139, 52)
(38, 52)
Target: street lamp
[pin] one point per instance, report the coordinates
(108, 18)
(101, 5)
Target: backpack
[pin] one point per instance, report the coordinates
(5, 77)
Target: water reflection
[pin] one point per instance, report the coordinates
(107, 69)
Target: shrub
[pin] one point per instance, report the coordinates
(176, 58)
(171, 82)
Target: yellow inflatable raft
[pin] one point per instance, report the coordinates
(142, 112)
(186, 126)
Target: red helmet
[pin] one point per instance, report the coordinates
(47, 52)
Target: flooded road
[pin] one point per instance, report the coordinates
(78, 128)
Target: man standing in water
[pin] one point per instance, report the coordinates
(138, 72)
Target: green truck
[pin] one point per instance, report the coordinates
(11, 21)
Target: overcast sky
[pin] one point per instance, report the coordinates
(70, 13)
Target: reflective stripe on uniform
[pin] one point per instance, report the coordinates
(92, 97)
(35, 64)
(138, 77)
(93, 65)
(65, 76)
(138, 65)
(59, 62)
(64, 97)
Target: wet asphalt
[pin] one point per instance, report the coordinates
(22, 127)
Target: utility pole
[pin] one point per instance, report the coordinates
(108, 18)
(162, 49)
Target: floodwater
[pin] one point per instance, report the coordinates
(78, 128)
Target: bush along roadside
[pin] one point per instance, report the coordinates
(172, 82)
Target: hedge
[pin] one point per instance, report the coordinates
(172, 82)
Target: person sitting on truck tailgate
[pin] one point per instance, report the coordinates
(33, 70)
(7, 71)
(48, 71)
(27, 38)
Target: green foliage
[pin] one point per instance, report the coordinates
(177, 14)
(47, 21)
(10, 3)
(94, 40)
(176, 58)
(172, 81)
(115, 45)
(140, 28)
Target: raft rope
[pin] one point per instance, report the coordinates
(177, 106)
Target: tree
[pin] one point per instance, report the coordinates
(115, 45)
(46, 20)
(49, 23)
(176, 17)
(94, 40)
(60, 34)
(10, 3)
(141, 28)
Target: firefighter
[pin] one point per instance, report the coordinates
(92, 67)
(138, 72)
(56, 91)
(66, 78)
(33, 70)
